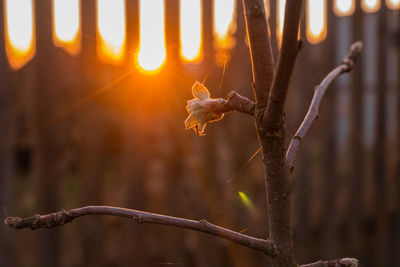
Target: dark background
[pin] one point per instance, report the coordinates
(76, 132)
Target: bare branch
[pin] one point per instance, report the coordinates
(346, 66)
(262, 61)
(345, 262)
(63, 217)
(270, 94)
(290, 48)
(234, 102)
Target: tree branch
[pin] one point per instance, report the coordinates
(262, 61)
(287, 58)
(63, 217)
(346, 66)
(234, 102)
(345, 262)
(270, 94)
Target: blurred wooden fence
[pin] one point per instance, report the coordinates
(75, 132)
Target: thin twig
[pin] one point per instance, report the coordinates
(346, 66)
(345, 262)
(63, 217)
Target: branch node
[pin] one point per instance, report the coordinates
(345, 262)
(350, 60)
(349, 262)
(138, 219)
(299, 138)
(203, 222)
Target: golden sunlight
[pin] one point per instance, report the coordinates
(190, 30)
(66, 25)
(224, 24)
(111, 31)
(152, 51)
(370, 6)
(20, 32)
(316, 21)
(344, 7)
(280, 11)
(267, 8)
(393, 4)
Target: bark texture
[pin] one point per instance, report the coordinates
(270, 94)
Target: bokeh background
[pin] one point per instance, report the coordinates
(92, 113)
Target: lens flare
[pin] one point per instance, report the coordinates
(316, 21)
(152, 50)
(393, 4)
(344, 7)
(190, 30)
(370, 6)
(246, 200)
(20, 32)
(111, 31)
(67, 25)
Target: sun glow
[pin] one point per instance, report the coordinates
(344, 7)
(152, 51)
(280, 11)
(66, 25)
(111, 31)
(20, 31)
(224, 27)
(316, 21)
(190, 30)
(224, 24)
(267, 8)
(370, 6)
(393, 4)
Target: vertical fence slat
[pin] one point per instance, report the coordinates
(330, 175)
(380, 181)
(7, 135)
(355, 167)
(48, 135)
(396, 237)
(91, 140)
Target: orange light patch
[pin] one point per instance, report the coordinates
(190, 30)
(111, 31)
(370, 6)
(20, 32)
(344, 7)
(67, 25)
(393, 4)
(224, 24)
(316, 21)
(152, 51)
(224, 27)
(280, 11)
